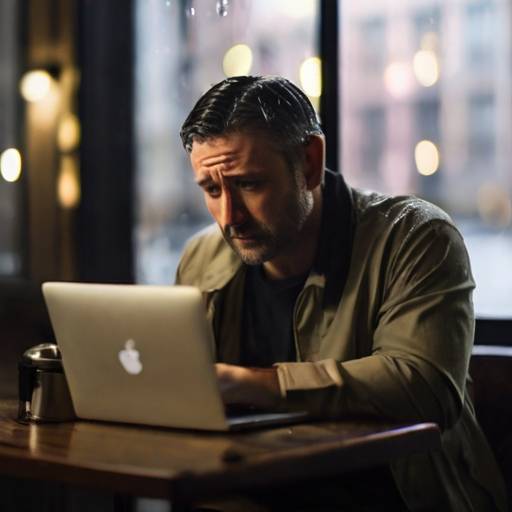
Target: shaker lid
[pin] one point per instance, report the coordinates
(45, 355)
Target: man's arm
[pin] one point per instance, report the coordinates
(421, 345)
(248, 386)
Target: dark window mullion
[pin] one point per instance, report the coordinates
(329, 100)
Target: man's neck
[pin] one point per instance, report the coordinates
(299, 258)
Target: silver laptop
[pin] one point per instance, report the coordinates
(143, 354)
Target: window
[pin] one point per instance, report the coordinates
(426, 128)
(481, 134)
(182, 48)
(10, 160)
(447, 129)
(427, 119)
(426, 24)
(481, 34)
(372, 145)
(373, 44)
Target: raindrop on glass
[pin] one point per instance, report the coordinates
(222, 7)
(190, 10)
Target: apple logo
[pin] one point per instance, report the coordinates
(129, 358)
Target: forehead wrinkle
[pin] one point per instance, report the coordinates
(218, 167)
(219, 161)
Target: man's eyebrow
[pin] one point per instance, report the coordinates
(206, 180)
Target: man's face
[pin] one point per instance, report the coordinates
(259, 203)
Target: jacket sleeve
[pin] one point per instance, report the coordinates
(421, 342)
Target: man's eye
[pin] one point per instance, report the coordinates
(212, 190)
(248, 184)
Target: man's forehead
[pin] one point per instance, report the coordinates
(238, 139)
(216, 148)
(225, 158)
(235, 154)
(220, 141)
(215, 155)
(228, 150)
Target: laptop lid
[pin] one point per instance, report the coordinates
(137, 354)
(142, 354)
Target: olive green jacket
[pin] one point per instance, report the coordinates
(383, 327)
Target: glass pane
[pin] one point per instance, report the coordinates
(182, 48)
(10, 158)
(426, 109)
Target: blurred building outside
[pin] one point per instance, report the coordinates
(427, 109)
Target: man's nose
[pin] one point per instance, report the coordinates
(232, 209)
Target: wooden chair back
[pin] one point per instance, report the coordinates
(491, 371)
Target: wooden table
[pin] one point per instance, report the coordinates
(176, 465)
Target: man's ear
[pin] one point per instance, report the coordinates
(314, 161)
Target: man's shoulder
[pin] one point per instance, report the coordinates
(207, 260)
(408, 240)
(400, 222)
(395, 211)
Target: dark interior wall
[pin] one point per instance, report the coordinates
(44, 40)
(23, 323)
(93, 243)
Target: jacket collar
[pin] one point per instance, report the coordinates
(333, 254)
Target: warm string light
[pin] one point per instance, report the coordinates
(68, 183)
(35, 87)
(68, 140)
(10, 165)
(68, 133)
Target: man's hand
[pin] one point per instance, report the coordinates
(248, 386)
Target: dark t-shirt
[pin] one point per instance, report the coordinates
(267, 325)
(267, 338)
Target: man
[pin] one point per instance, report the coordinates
(331, 299)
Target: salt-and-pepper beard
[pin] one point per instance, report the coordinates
(284, 234)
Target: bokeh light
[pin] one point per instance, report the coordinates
(35, 85)
(68, 184)
(426, 156)
(426, 67)
(237, 60)
(68, 135)
(398, 79)
(311, 77)
(10, 165)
